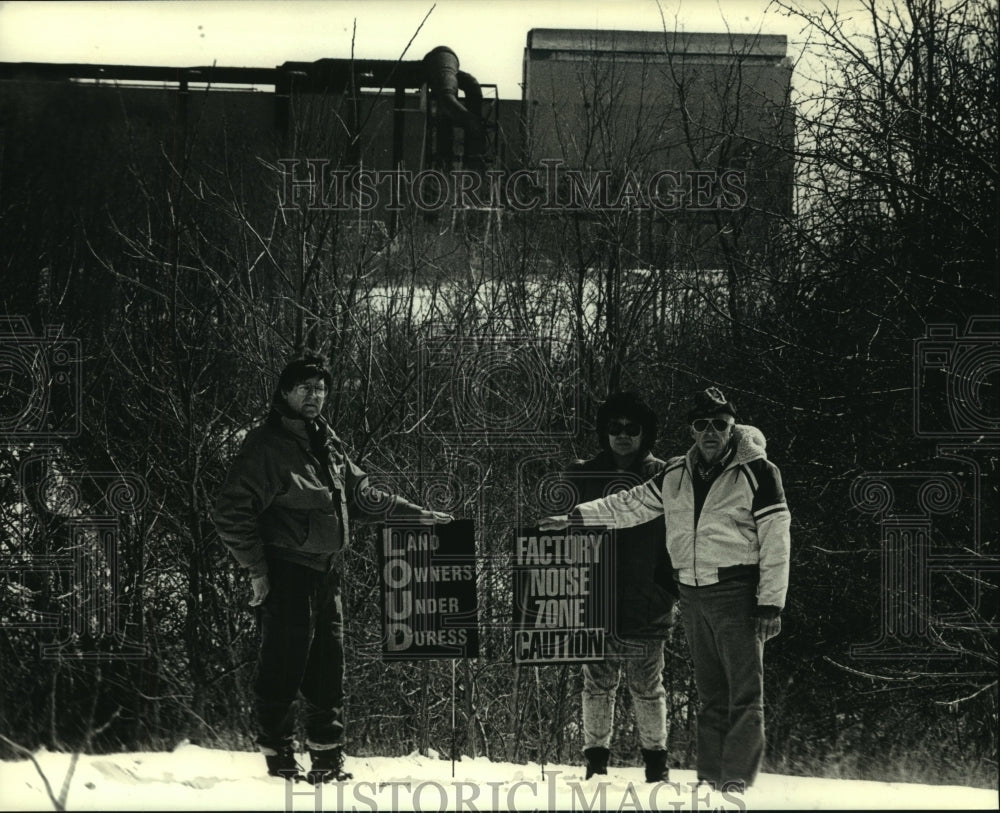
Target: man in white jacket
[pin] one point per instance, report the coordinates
(727, 527)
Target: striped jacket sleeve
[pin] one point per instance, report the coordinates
(770, 512)
(624, 509)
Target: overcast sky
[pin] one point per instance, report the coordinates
(488, 35)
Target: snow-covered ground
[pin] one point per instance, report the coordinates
(194, 778)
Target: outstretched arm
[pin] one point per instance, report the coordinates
(367, 501)
(637, 505)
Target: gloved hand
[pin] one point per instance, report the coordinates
(767, 628)
(261, 587)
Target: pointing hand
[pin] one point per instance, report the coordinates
(435, 518)
(554, 523)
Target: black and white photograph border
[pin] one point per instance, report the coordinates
(488, 218)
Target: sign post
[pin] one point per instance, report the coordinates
(429, 604)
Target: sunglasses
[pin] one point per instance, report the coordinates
(718, 424)
(632, 429)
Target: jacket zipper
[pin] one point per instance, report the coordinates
(694, 530)
(694, 540)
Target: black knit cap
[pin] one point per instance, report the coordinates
(628, 405)
(309, 365)
(710, 402)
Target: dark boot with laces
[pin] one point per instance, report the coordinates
(597, 761)
(656, 766)
(327, 766)
(283, 764)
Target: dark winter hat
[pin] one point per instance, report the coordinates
(709, 402)
(310, 365)
(629, 405)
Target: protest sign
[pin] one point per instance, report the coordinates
(429, 606)
(562, 594)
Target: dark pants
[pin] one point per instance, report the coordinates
(729, 673)
(301, 627)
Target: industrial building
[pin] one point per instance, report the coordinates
(693, 131)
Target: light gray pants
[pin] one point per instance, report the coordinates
(643, 664)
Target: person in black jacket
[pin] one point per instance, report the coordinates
(283, 513)
(644, 594)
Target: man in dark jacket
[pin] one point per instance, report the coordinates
(626, 431)
(283, 513)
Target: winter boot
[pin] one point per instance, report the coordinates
(656, 766)
(597, 761)
(327, 766)
(282, 763)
